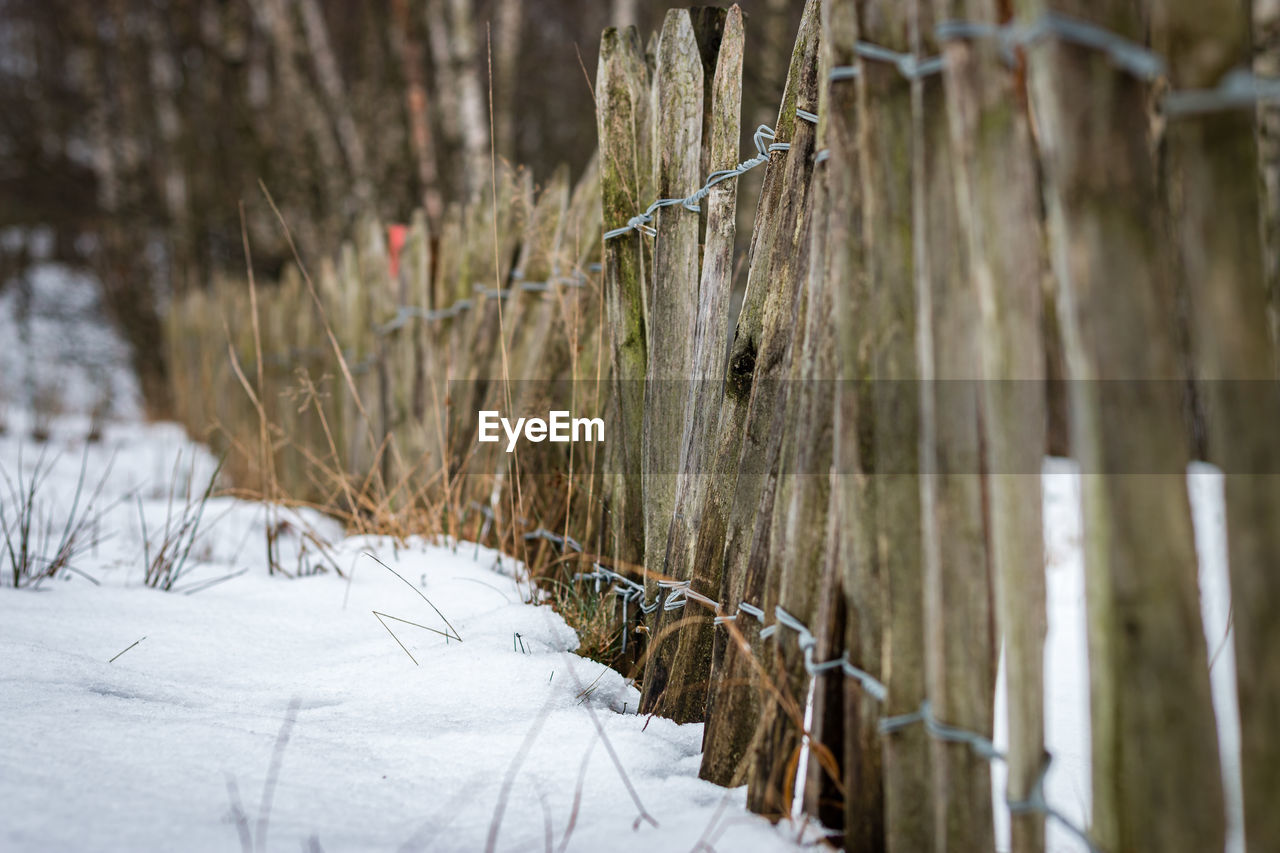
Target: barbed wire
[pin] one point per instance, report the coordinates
(678, 593)
(1239, 88)
(407, 313)
(763, 138)
(1124, 53)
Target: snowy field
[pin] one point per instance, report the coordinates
(506, 734)
(58, 345)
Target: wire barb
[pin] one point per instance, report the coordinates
(763, 138)
(678, 593)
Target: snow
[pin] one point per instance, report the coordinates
(170, 746)
(142, 753)
(64, 348)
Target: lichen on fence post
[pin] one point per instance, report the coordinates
(622, 115)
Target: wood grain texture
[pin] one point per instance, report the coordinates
(758, 359)
(1151, 717)
(997, 191)
(672, 310)
(1212, 184)
(691, 664)
(622, 86)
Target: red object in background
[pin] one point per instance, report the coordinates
(395, 242)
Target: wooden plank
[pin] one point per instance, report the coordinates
(961, 649)
(862, 584)
(1266, 63)
(887, 123)
(622, 115)
(1151, 717)
(415, 267)
(756, 358)
(1212, 160)
(797, 550)
(350, 317)
(489, 245)
(578, 243)
(673, 288)
(691, 659)
(997, 187)
(378, 297)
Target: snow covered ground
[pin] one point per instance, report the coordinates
(505, 734)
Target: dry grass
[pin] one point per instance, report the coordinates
(165, 565)
(40, 544)
(308, 428)
(595, 616)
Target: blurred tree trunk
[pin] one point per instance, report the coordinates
(774, 56)
(169, 173)
(473, 117)
(416, 105)
(116, 82)
(506, 62)
(298, 102)
(330, 78)
(445, 79)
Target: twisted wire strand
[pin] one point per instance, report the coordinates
(763, 138)
(680, 592)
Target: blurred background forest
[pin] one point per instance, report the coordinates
(132, 131)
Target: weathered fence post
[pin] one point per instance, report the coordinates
(415, 272)
(758, 362)
(691, 663)
(998, 198)
(351, 317)
(961, 649)
(622, 86)
(672, 304)
(1212, 159)
(854, 486)
(379, 304)
(1152, 720)
(886, 118)
(789, 563)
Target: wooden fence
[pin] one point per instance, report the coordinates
(825, 528)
